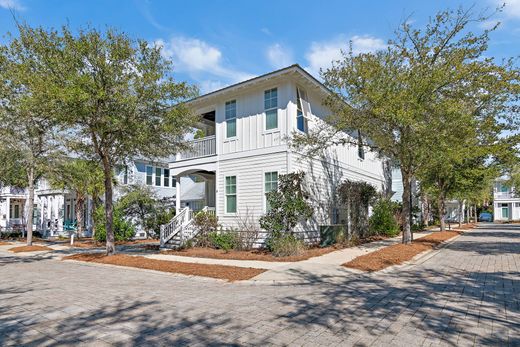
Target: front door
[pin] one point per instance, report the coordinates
(505, 211)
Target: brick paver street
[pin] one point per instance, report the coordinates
(465, 294)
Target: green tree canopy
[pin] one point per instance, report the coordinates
(115, 95)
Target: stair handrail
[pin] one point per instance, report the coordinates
(174, 225)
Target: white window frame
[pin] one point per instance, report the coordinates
(264, 192)
(146, 175)
(157, 169)
(361, 154)
(271, 108)
(234, 118)
(226, 195)
(302, 98)
(166, 177)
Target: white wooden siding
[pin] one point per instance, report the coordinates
(250, 184)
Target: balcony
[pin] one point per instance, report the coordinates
(203, 147)
(505, 196)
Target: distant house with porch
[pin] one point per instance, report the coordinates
(244, 150)
(54, 209)
(506, 202)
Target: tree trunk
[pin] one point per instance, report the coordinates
(441, 206)
(467, 213)
(109, 207)
(461, 212)
(30, 207)
(80, 210)
(407, 232)
(95, 200)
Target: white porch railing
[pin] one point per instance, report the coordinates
(181, 226)
(504, 195)
(200, 148)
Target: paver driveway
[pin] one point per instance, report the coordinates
(465, 294)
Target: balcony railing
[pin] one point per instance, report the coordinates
(200, 148)
(505, 195)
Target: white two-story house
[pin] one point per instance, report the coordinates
(506, 204)
(244, 149)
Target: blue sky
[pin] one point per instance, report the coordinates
(217, 43)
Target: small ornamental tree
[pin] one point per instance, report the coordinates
(382, 221)
(83, 177)
(288, 205)
(141, 204)
(357, 197)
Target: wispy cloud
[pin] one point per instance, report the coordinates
(279, 56)
(321, 54)
(144, 7)
(202, 61)
(12, 5)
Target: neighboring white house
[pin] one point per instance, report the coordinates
(506, 204)
(245, 148)
(54, 209)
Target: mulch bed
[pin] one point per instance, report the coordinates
(230, 273)
(3, 243)
(399, 253)
(32, 248)
(262, 255)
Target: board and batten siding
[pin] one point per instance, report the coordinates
(250, 184)
(251, 133)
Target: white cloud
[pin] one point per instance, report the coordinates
(266, 31)
(201, 61)
(208, 86)
(279, 56)
(322, 54)
(512, 8)
(12, 4)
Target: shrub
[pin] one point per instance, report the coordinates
(206, 223)
(123, 230)
(225, 240)
(382, 221)
(285, 245)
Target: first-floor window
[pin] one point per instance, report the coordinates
(16, 211)
(149, 174)
(231, 194)
(166, 177)
(158, 171)
(271, 184)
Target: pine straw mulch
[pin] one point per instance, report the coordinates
(3, 243)
(262, 255)
(229, 273)
(33, 248)
(399, 253)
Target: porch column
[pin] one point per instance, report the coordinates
(8, 212)
(178, 195)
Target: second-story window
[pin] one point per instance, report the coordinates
(158, 171)
(301, 119)
(271, 108)
(166, 177)
(231, 118)
(149, 175)
(504, 188)
(360, 149)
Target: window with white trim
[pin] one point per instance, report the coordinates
(166, 174)
(158, 172)
(302, 122)
(231, 118)
(149, 175)
(231, 194)
(360, 149)
(270, 184)
(271, 108)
